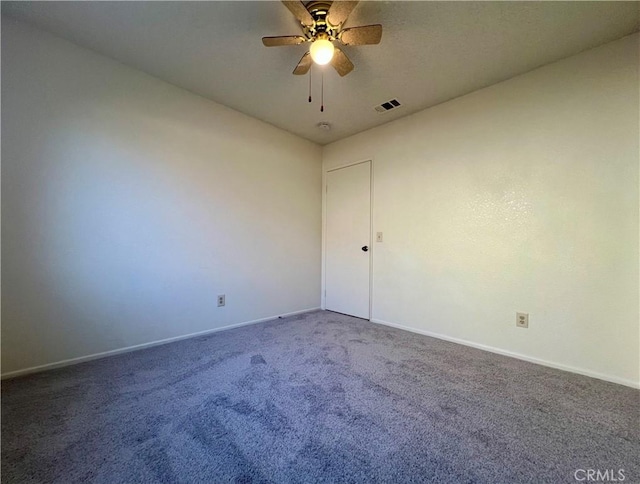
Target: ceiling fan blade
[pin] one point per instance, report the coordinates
(300, 12)
(341, 63)
(304, 65)
(365, 35)
(339, 11)
(283, 40)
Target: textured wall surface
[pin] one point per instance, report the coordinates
(129, 204)
(519, 197)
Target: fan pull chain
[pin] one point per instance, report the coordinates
(310, 84)
(322, 93)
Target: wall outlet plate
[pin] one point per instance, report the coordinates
(221, 300)
(522, 320)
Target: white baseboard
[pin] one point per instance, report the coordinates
(491, 349)
(127, 349)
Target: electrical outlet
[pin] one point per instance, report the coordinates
(379, 237)
(522, 320)
(221, 300)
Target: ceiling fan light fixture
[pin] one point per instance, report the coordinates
(321, 51)
(322, 24)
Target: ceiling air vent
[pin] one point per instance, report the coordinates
(388, 106)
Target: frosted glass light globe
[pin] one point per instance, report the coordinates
(321, 51)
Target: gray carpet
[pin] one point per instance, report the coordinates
(320, 397)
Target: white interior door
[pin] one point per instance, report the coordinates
(348, 233)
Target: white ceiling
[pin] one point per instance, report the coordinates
(430, 51)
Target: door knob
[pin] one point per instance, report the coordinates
(365, 248)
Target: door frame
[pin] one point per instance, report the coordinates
(323, 302)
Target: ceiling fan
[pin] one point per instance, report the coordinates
(322, 24)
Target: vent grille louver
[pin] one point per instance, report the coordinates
(387, 106)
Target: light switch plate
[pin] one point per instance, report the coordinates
(379, 237)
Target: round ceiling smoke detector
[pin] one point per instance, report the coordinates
(324, 126)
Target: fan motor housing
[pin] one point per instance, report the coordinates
(319, 11)
(320, 6)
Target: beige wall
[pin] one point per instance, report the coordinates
(129, 204)
(519, 197)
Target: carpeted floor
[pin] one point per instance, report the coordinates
(319, 397)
